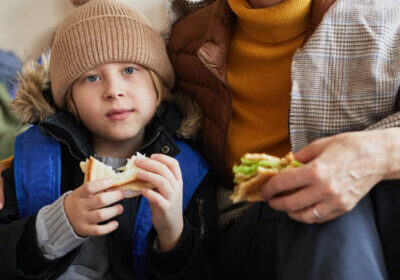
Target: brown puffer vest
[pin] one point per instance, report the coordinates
(198, 48)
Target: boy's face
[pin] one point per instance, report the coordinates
(115, 101)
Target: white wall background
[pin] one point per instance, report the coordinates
(26, 26)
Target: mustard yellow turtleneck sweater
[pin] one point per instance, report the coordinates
(259, 75)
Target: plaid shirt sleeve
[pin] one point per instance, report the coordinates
(347, 75)
(390, 121)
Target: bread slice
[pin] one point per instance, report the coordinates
(257, 157)
(248, 187)
(125, 180)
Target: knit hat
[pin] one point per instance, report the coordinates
(102, 31)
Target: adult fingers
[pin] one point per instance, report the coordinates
(297, 200)
(311, 151)
(104, 214)
(171, 163)
(286, 181)
(331, 216)
(93, 187)
(319, 213)
(103, 199)
(306, 216)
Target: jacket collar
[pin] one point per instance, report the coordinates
(213, 52)
(64, 128)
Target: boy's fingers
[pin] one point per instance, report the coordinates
(156, 167)
(171, 163)
(97, 230)
(131, 193)
(1, 194)
(162, 185)
(2, 167)
(153, 197)
(104, 199)
(96, 186)
(104, 214)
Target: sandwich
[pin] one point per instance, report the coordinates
(254, 171)
(124, 179)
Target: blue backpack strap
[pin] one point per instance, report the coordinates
(37, 171)
(194, 168)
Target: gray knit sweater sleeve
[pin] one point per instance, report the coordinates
(55, 235)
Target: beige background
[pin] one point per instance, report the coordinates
(26, 26)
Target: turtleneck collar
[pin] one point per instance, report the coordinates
(275, 24)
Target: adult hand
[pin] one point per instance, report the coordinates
(165, 199)
(2, 167)
(89, 205)
(337, 172)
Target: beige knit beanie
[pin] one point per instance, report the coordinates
(101, 31)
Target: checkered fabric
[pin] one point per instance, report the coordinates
(347, 76)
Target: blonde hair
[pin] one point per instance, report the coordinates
(190, 110)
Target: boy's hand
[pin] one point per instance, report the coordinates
(4, 164)
(165, 200)
(86, 206)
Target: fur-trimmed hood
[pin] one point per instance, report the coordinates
(33, 96)
(34, 101)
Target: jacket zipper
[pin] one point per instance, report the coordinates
(151, 141)
(200, 202)
(50, 276)
(66, 143)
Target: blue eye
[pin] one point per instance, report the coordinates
(129, 70)
(92, 78)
